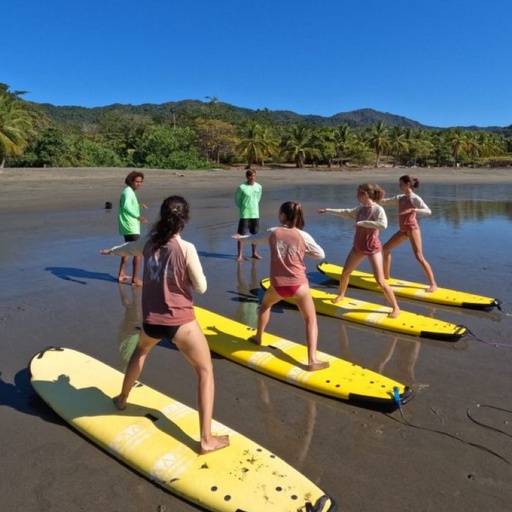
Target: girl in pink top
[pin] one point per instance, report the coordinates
(171, 270)
(289, 244)
(370, 219)
(409, 206)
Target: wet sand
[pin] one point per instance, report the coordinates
(57, 290)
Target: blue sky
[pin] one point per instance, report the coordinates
(439, 62)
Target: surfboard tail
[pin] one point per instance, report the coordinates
(324, 504)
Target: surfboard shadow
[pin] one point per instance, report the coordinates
(91, 401)
(78, 275)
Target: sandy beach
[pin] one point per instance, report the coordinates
(57, 290)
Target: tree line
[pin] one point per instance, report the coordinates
(215, 135)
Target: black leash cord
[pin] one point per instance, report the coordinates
(474, 445)
(492, 343)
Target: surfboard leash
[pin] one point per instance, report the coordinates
(485, 425)
(498, 303)
(396, 397)
(492, 343)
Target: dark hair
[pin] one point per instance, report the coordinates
(293, 214)
(133, 176)
(375, 193)
(174, 215)
(250, 172)
(408, 180)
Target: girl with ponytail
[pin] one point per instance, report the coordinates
(289, 244)
(172, 270)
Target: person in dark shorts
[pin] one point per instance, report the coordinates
(172, 270)
(129, 219)
(247, 199)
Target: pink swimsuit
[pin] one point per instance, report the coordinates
(366, 240)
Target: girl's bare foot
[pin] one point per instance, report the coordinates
(431, 288)
(123, 277)
(213, 444)
(120, 402)
(240, 258)
(338, 298)
(318, 365)
(136, 282)
(394, 314)
(256, 256)
(255, 340)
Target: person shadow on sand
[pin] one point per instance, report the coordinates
(78, 275)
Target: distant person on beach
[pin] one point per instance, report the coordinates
(247, 199)
(129, 219)
(171, 271)
(409, 206)
(370, 218)
(289, 244)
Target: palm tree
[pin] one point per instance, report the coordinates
(324, 140)
(257, 143)
(441, 151)
(359, 151)
(344, 137)
(379, 140)
(269, 142)
(252, 145)
(16, 124)
(398, 143)
(420, 146)
(458, 142)
(490, 145)
(299, 144)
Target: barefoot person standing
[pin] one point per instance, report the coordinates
(369, 218)
(171, 270)
(409, 206)
(247, 199)
(289, 244)
(129, 219)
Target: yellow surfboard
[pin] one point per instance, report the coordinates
(286, 360)
(412, 290)
(376, 315)
(159, 437)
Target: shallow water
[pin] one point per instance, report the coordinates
(57, 290)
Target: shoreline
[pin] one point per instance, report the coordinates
(57, 290)
(82, 187)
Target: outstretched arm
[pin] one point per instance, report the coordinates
(345, 213)
(127, 249)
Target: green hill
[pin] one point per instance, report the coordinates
(190, 109)
(195, 108)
